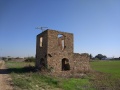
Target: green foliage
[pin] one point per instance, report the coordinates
(9, 59)
(33, 81)
(4, 58)
(30, 59)
(76, 84)
(91, 56)
(100, 56)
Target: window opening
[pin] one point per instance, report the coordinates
(63, 44)
(41, 41)
(65, 64)
(61, 41)
(60, 35)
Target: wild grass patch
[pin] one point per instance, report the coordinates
(24, 77)
(76, 84)
(104, 77)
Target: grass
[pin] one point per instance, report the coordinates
(24, 77)
(76, 84)
(106, 76)
(110, 67)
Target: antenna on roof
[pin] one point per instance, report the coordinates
(41, 28)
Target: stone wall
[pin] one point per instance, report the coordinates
(41, 51)
(81, 63)
(55, 52)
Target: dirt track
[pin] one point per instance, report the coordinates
(5, 80)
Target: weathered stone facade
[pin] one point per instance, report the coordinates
(54, 51)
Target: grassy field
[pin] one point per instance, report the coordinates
(25, 79)
(106, 76)
(110, 67)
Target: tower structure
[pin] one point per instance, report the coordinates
(54, 51)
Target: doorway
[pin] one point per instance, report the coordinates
(65, 64)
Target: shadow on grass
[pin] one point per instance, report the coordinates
(18, 70)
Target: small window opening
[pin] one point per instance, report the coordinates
(60, 35)
(41, 41)
(63, 44)
(61, 41)
(65, 64)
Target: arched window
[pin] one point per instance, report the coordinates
(65, 64)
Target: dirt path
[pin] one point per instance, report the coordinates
(5, 80)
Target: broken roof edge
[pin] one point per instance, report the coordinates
(55, 30)
(81, 53)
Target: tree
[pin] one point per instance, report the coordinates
(91, 56)
(100, 56)
(4, 58)
(30, 59)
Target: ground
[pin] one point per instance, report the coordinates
(5, 79)
(104, 76)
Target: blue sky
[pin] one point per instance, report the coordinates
(94, 23)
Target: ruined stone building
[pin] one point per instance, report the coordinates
(54, 52)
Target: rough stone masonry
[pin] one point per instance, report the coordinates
(54, 52)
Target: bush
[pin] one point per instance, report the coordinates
(9, 59)
(4, 58)
(30, 59)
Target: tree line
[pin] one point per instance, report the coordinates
(102, 57)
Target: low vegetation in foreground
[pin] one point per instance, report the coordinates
(25, 78)
(105, 76)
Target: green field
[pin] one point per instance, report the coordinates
(110, 67)
(104, 76)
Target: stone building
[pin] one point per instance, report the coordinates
(54, 52)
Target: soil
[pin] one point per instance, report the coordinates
(5, 79)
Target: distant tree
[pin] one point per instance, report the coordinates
(9, 59)
(17, 58)
(30, 59)
(4, 58)
(100, 56)
(104, 56)
(91, 56)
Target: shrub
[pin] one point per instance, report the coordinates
(30, 59)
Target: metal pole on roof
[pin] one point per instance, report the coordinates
(41, 28)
